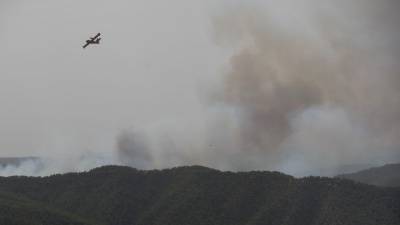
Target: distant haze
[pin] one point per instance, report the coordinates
(304, 87)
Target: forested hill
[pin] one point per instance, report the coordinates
(197, 195)
(17, 210)
(388, 176)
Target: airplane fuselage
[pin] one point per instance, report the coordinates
(94, 40)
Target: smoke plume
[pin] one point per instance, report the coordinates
(314, 87)
(132, 149)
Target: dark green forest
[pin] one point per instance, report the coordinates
(114, 195)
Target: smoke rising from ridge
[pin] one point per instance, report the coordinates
(310, 86)
(132, 149)
(325, 93)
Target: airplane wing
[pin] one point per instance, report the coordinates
(94, 38)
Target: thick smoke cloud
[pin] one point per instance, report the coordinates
(318, 88)
(311, 88)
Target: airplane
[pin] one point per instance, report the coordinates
(93, 40)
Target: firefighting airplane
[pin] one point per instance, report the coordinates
(94, 40)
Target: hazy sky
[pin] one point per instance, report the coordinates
(148, 72)
(298, 86)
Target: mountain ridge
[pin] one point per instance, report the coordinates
(386, 176)
(197, 195)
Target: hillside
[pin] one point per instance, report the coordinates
(16, 210)
(388, 176)
(201, 196)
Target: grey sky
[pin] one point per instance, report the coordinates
(147, 72)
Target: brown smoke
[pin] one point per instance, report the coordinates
(340, 59)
